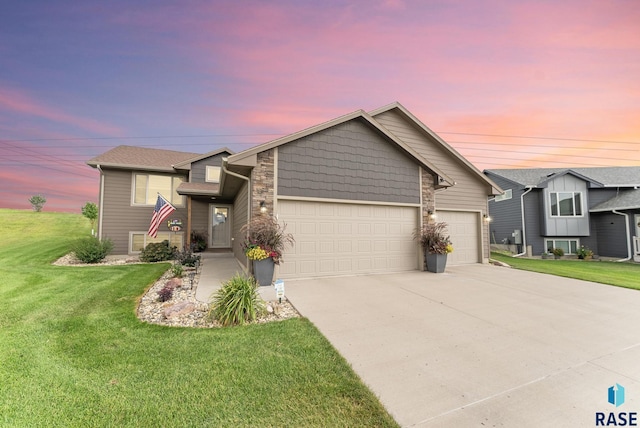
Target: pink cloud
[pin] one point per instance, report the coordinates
(15, 101)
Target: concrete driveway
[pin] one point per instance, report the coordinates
(482, 345)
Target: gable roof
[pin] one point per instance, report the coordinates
(131, 157)
(187, 163)
(614, 176)
(358, 114)
(426, 130)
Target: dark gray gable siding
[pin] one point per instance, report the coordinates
(199, 168)
(348, 161)
(506, 215)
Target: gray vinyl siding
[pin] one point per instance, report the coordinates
(506, 215)
(240, 218)
(349, 161)
(200, 216)
(597, 196)
(120, 217)
(469, 193)
(199, 168)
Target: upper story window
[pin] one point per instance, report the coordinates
(147, 186)
(213, 174)
(566, 204)
(508, 194)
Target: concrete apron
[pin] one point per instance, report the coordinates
(481, 345)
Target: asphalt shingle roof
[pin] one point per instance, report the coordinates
(615, 176)
(140, 157)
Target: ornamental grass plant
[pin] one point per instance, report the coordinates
(237, 302)
(433, 238)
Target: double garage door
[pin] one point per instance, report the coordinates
(345, 239)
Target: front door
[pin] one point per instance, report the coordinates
(220, 226)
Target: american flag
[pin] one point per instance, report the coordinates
(162, 210)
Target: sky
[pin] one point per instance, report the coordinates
(508, 84)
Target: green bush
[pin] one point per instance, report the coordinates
(92, 250)
(237, 301)
(177, 270)
(158, 252)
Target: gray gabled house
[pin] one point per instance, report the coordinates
(351, 190)
(547, 208)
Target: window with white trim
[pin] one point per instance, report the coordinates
(147, 186)
(213, 174)
(508, 194)
(565, 204)
(569, 246)
(139, 240)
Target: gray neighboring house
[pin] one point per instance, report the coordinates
(546, 208)
(351, 190)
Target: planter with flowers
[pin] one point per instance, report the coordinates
(435, 245)
(265, 242)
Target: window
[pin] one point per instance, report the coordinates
(147, 186)
(566, 204)
(508, 194)
(213, 174)
(139, 240)
(570, 246)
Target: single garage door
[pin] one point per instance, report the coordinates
(463, 228)
(345, 239)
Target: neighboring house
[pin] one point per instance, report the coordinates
(547, 208)
(352, 191)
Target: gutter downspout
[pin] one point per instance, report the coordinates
(524, 233)
(248, 180)
(626, 224)
(100, 201)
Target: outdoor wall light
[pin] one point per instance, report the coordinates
(487, 218)
(432, 214)
(263, 208)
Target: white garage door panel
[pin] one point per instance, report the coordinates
(463, 228)
(343, 239)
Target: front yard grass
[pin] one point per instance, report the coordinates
(73, 353)
(613, 273)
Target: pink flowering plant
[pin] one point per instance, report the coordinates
(265, 238)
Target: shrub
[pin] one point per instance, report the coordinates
(92, 250)
(237, 301)
(158, 252)
(198, 241)
(177, 270)
(165, 294)
(558, 252)
(37, 202)
(187, 258)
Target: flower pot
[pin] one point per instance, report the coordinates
(263, 271)
(436, 262)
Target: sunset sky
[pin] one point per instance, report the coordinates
(509, 84)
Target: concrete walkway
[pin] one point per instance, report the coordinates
(217, 268)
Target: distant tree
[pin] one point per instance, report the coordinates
(90, 211)
(37, 202)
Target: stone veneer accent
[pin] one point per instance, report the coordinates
(262, 181)
(428, 195)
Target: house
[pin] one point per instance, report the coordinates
(352, 191)
(547, 208)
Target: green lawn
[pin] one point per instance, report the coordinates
(613, 273)
(73, 353)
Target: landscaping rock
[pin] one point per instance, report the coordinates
(179, 309)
